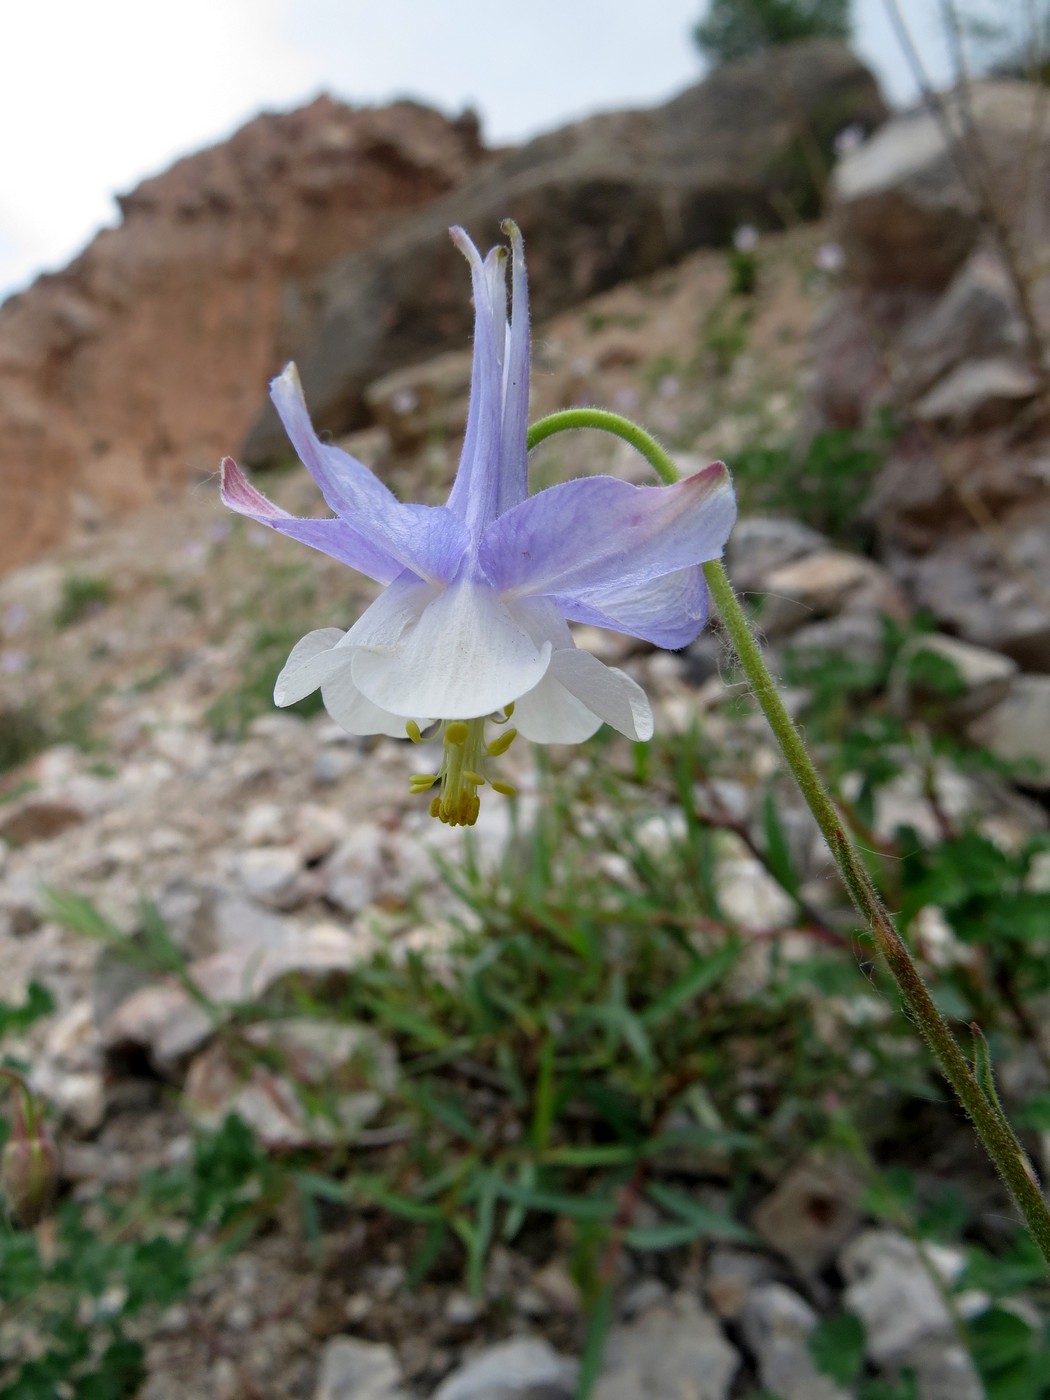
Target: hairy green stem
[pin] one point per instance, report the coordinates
(996, 1135)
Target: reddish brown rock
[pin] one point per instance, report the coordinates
(136, 366)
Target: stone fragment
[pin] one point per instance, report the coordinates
(1018, 730)
(760, 544)
(975, 319)
(524, 1368)
(891, 1291)
(270, 874)
(824, 585)
(979, 394)
(353, 869)
(811, 1213)
(961, 578)
(38, 818)
(672, 1350)
(860, 639)
(307, 1083)
(356, 1370)
(731, 1275)
(165, 1021)
(776, 1324)
(983, 678)
(903, 211)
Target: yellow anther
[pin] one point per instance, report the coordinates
(462, 769)
(508, 710)
(412, 730)
(507, 789)
(502, 742)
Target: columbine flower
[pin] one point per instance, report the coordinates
(472, 620)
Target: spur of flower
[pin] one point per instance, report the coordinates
(472, 623)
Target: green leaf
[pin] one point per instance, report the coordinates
(16, 1019)
(543, 1109)
(1003, 1346)
(599, 1320)
(705, 1222)
(447, 1109)
(778, 852)
(836, 1345)
(377, 1193)
(557, 1202)
(702, 975)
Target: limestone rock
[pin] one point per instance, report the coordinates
(610, 198)
(905, 1319)
(824, 585)
(976, 318)
(1018, 729)
(356, 1370)
(761, 544)
(810, 1214)
(346, 1070)
(170, 1025)
(673, 1349)
(525, 1368)
(904, 215)
(984, 678)
(423, 402)
(979, 394)
(776, 1323)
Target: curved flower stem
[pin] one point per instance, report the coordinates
(993, 1129)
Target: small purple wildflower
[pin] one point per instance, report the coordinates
(745, 238)
(850, 138)
(830, 258)
(478, 593)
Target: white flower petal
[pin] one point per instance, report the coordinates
(550, 714)
(310, 662)
(465, 656)
(605, 690)
(356, 714)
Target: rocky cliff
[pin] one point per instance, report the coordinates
(136, 366)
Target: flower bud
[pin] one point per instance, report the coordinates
(29, 1167)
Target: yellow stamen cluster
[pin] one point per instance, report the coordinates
(462, 769)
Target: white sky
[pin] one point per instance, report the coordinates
(97, 94)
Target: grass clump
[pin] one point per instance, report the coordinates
(82, 596)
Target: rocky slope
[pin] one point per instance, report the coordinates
(136, 367)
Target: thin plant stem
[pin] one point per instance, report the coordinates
(996, 1135)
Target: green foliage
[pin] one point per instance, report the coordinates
(15, 1020)
(22, 734)
(76, 1305)
(837, 1346)
(743, 272)
(607, 1061)
(268, 650)
(733, 29)
(82, 595)
(826, 483)
(292, 590)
